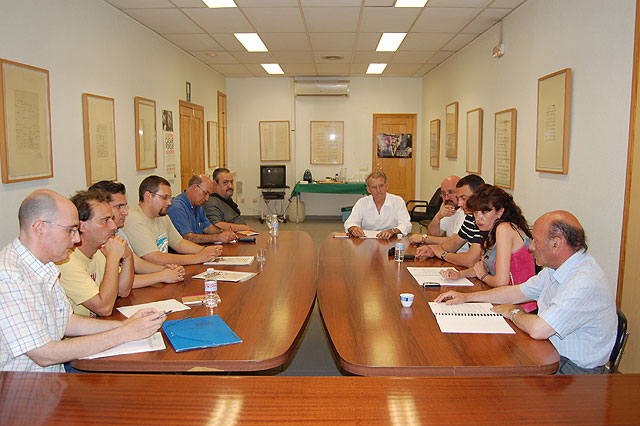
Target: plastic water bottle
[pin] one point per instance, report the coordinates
(274, 225)
(399, 251)
(211, 298)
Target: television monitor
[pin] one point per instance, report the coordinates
(273, 176)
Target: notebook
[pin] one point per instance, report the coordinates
(469, 318)
(431, 276)
(196, 333)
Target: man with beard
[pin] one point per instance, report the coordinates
(100, 266)
(221, 210)
(151, 231)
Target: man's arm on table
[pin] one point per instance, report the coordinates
(213, 234)
(96, 336)
(452, 245)
(233, 227)
(504, 297)
(193, 254)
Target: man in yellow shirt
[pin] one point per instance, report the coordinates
(100, 267)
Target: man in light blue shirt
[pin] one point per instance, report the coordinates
(576, 310)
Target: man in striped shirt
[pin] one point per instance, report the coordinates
(576, 310)
(468, 233)
(34, 312)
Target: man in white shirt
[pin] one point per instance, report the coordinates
(379, 211)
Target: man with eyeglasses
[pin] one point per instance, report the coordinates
(189, 218)
(151, 231)
(379, 211)
(221, 210)
(100, 266)
(35, 314)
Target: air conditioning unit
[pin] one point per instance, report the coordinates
(322, 88)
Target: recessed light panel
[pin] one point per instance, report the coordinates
(272, 68)
(376, 68)
(410, 3)
(389, 42)
(219, 3)
(251, 42)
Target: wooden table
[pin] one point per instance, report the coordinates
(268, 312)
(359, 290)
(70, 399)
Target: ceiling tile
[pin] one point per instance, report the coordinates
(230, 69)
(368, 41)
(332, 41)
(257, 70)
(220, 58)
(164, 21)
(440, 56)
(194, 42)
(458, 3)
(333, 69)
(401, 69)
(487, 19)
(318, 54)
(412, 57)
(359, 69)
(425, 41)
(140, 4)
(510, 4)
(367, 57)
(388, 19)
(267, 3)
(459, 41)
(379, 2)
(254, 57)
(189, 3)
(331, 19)
(229, 42)
(285, 41)
(293, 57)
(277, 19)
(330, 3)
(426, 68)
(450, 20)
(228, 20)
(298, 69)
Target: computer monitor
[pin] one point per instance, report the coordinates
(273, 176)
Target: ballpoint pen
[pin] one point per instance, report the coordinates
(165, 314)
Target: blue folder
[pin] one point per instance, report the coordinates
(196, 333)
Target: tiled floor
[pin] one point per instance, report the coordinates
(313, 356)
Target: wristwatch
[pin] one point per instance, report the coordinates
(444, 253)
(393, 230)
(513, 312)
(424, 238)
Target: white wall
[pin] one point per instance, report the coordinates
(595, 39)
(253, 99)
(89, 46)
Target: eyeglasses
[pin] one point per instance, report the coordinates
(165, 197)
(72, 230)
(206, 193)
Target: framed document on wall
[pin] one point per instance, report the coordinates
(25, 122)
(554, 112)
(474, 141)
(146, 157)
(327, 145)
(434, 143)
(274, 140)
(212, 144)
(99, 138)
(505, 148)
(451, 141)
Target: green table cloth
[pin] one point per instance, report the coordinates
(331, 188)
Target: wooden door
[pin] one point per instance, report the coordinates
(191, 141)
(629, 271)
(390, 156)
(222, 129)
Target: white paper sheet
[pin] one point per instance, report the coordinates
(232, 276)
(150, 344)
(432, 275)
(162, 305)
(231, 261)
(469, 318)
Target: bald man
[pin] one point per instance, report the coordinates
(576, 310)
(34, 312)
(189, 218)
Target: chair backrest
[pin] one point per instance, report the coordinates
(436, 199)
(621, 339)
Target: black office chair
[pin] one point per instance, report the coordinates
(422, 212)
(618, 347)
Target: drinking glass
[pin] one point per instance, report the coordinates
(260, 257)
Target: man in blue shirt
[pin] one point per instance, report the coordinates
(189, 218)
(576, 310)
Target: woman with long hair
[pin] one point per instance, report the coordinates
(506, 259)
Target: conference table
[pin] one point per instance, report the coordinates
(268, 312)
(154, 399)
(359, 288)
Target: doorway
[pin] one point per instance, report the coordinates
(191, 142)
(394, 142)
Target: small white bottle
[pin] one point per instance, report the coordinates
(399, 257)
(211, 298)
(274, 225)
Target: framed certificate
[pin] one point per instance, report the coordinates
(434, 143)
(554, 112)
(327, 145)
(474, 141)
(274, 140)
(505, 148)
(146, 155)
(99, 138)
(451, 142)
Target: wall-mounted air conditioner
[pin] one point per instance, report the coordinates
(322, 88)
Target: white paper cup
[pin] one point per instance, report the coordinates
(406, 299)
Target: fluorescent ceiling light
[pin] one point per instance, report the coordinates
(251, 42)
(219, 3)
(376, 68)
(389, 42)
(410, 3)
(272, 68)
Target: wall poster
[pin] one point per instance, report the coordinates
(394, 145)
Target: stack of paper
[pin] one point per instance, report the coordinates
(431, 276)
(232, 276)
(162, 305)
(469, 318)
(231, 261)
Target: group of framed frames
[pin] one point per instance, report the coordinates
(552, 133)
(25, 128)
